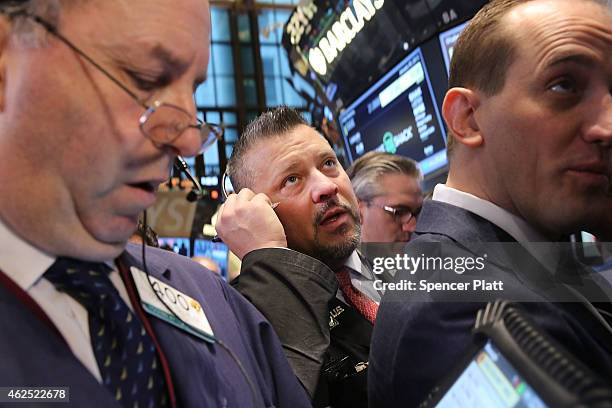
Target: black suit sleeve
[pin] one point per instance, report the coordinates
(293, 292)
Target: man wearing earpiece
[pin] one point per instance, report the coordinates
(95, 104)
(300, 266)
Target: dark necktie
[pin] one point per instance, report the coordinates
(364, 305)
(124, 351)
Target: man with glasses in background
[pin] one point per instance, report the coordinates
(96, 102)
(389, 193)
(295, 225)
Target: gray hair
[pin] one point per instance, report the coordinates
(366, 171)
(275, 122)
(26, 31)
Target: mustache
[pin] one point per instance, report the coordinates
(330, 204)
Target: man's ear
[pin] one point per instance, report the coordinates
(362, 206)
(458, 110)
(5, 34)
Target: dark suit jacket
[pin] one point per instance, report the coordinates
(416, 343)
(203, 375)
(324, 338)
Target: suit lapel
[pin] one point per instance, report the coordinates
(474, 233)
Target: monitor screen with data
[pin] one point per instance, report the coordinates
(398, 114)
(491, 381)
(448, 39)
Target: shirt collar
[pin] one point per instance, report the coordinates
(354, 262)
(517, 227)
(22, 262)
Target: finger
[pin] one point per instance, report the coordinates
(220, 212)
(261, 197)
(245, 195)
(227, 207)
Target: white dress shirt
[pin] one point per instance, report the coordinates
(25, 265)
(362, 278)
(515, 226)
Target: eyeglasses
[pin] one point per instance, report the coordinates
(163, 123)
(399, 213)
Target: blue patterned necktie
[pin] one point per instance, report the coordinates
(124, 351)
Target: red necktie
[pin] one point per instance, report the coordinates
(366, 306)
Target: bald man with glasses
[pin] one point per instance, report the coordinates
(96, 103)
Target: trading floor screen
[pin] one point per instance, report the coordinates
(398, 114)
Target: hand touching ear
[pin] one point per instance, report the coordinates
(247, 221)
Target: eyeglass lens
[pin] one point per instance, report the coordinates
(165, 123)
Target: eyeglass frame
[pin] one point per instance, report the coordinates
(215, 129)
(393, 211)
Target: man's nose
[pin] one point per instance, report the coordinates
(323, 188)
(598, 126)
(189, 141)
(409, 226)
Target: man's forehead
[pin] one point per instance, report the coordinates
(279, 152)
(538, 13)
(299, 138)
(145, 29)
(149, 21)
(401, 182)
(560, 30)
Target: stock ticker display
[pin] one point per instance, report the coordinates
(398, 114)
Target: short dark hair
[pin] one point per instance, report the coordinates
(485, 50)
(275, 122)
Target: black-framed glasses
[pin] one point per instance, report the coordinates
(163, 123)
(400, 213)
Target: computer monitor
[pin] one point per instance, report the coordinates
(491, 381)
(177, 244)
(448, 39)
(398, 114)
(217, 251)
(514, 363)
